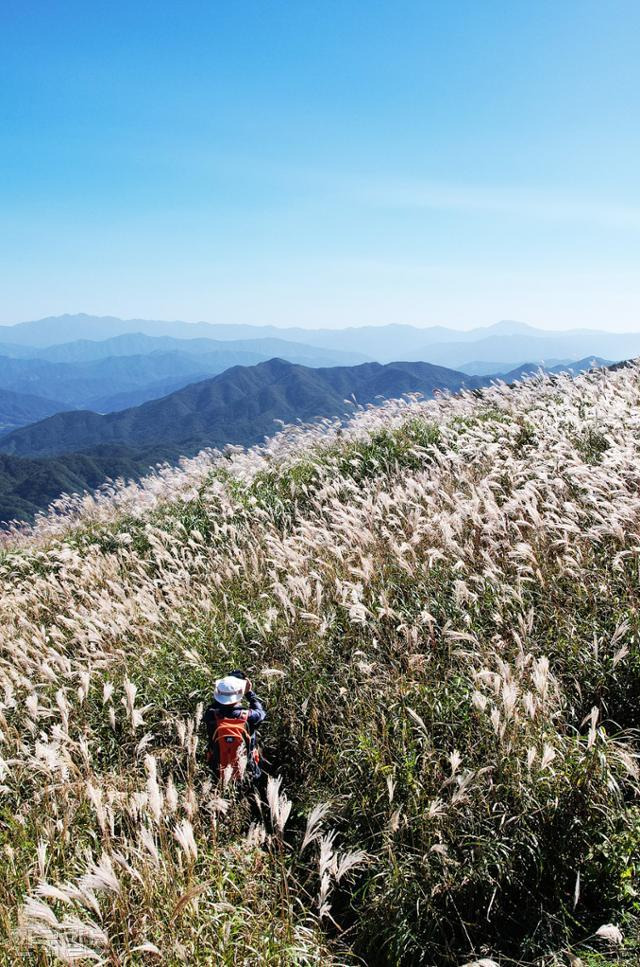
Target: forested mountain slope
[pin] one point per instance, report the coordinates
(28, 485)
(238, 406)
(99, 375)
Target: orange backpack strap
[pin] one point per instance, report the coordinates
(227, 724)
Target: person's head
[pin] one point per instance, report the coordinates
(229, 691)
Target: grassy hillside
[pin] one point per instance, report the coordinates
(439, 604)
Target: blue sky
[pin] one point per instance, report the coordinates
(322, 163)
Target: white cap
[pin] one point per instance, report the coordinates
(229, 690)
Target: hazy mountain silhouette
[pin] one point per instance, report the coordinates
(115, 382)
(504, 352)
(87, 332)
(19, 409)
(78, 384)
(240, 352)
(507, 343)
(125, 399)
(582, 366)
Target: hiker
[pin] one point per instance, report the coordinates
(231, 729)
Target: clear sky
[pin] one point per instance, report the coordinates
(322, 162)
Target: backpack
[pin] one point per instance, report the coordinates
(232, 739)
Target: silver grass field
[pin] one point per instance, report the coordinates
(438, 601)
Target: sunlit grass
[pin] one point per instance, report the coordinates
(439, 603)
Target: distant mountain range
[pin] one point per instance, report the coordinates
(126, 369)
(19, 409)
(78, 450)
(104, 376)
(505, 345)
(138, 343)
(84, 398)
(530, 369)
(238, 406)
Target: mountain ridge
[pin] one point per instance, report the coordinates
(79, 450)
(140, 343)
(21, 409)
(237, 406)
(89, 382)
(508, 341)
